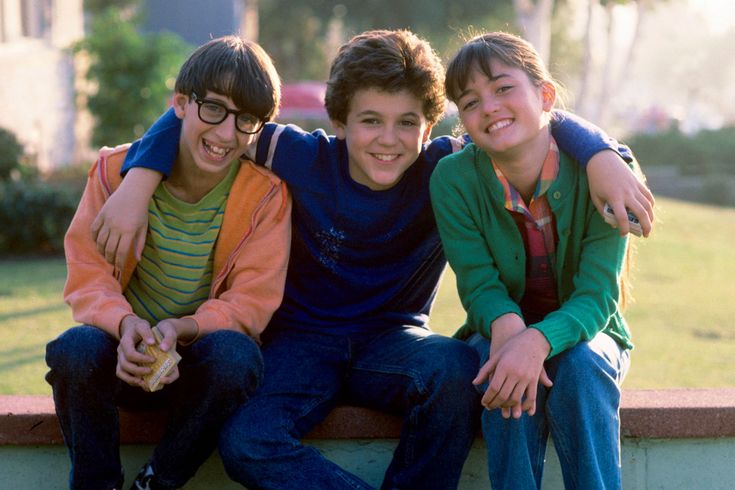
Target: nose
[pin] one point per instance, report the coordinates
(388, 135)
(226, 129)
(489, 104)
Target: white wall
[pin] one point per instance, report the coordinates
(37, 81)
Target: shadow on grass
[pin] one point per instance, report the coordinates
(14, 358)
(14, 315)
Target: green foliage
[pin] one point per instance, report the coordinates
(300, 51)
(133, 75)
(94, 7)
(705, 153)
(11, 153)
(35, 216)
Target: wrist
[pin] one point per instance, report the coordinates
(187, 330)
(539, 341)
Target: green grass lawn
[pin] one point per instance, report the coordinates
(683, 289)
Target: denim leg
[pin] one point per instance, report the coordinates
(82, 364)
(427, 379)
(260, 445)
(217, 374)
(516, 448)
(583, 412)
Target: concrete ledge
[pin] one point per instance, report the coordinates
(645, 414)
(678, 413)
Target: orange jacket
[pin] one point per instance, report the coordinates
(250, 256)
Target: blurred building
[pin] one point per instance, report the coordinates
(38, 76)
(197, 22)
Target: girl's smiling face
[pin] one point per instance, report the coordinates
(506, 111)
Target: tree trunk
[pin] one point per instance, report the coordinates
(582, 104)
(249, 20)
(534, 19)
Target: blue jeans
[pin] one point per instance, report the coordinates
(581, 411)
(217, 373)
(423, 377)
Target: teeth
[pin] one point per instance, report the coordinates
(500, 125)
(216, 151)
(385, 157)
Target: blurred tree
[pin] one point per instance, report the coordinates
(596, 90)
(94, 7)
(534, 20)
(130, 75)
(302, 37)
(11, 153)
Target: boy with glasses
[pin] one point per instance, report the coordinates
(210, 277)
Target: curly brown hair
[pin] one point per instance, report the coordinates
(390, 61)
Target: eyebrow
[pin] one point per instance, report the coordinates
(492, 79)
(370, 112)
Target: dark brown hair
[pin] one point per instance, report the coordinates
(236, 68)
(388, 61)
(477, 53)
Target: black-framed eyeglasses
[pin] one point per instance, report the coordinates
(213, 112)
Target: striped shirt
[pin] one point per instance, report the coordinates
(536, 224)
(174, 275)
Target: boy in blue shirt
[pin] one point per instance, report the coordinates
(365, 265)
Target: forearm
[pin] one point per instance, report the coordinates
(581, 139)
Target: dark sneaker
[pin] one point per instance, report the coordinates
(143, 480)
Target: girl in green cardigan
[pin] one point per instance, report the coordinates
(538, 272)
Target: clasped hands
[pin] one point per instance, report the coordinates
(132, 365)
(515, 367)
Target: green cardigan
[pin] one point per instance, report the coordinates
(486, 252)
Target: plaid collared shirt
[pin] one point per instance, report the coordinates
(536, 224)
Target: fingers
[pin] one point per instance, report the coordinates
(139, 243)
(621, 217)
(96, 227)
(171, 377)
(545, 380)
(170, 336)
(108, 245)
(485, 371)
(121, 250)
(101, 241)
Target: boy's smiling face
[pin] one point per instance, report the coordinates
(384, 132)
(208, 149)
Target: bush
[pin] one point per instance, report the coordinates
(11, 153)
(708, 152)
(132, 75)
(35, 216)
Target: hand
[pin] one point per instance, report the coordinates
(611, 180)
(514, 372)
(174, 330)
(131, 364)
(122, 223)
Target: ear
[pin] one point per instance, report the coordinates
(340, 131)
(548, 95)
(180, 101)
